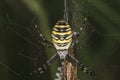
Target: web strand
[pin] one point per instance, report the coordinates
(65, 10)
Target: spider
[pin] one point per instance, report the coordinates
(63, 41)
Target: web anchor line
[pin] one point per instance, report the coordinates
(65, 11)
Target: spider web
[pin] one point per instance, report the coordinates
(35, 52)
(77, 13)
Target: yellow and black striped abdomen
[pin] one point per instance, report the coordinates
(62, 35)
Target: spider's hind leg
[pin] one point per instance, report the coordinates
(80, 65)
(40, 70)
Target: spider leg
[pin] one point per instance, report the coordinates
(80, 65)
(42, 39)
(40, 70)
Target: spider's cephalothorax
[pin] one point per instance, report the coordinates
(62, 38)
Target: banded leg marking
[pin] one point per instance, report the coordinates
(40, 70)
(44, 42)
(81, 66)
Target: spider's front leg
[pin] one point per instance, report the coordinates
(42, 39)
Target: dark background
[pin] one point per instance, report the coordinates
(16, 33)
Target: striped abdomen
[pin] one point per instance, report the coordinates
(62, 35)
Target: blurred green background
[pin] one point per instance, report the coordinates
(16, 37)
